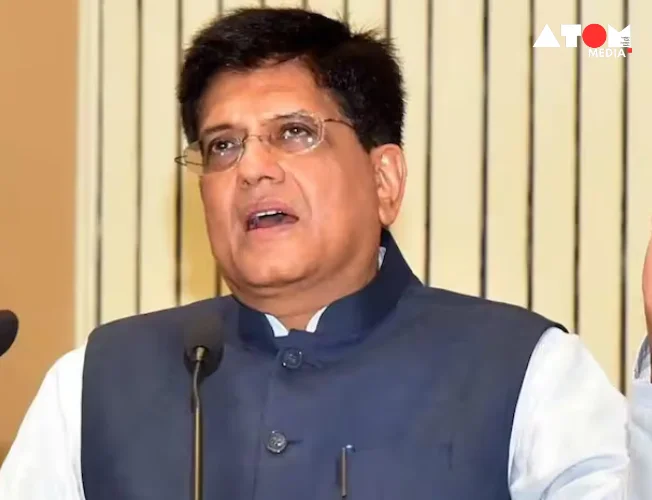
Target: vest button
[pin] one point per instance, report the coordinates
(292, 358)
(276, 442)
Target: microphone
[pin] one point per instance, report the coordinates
(204, 349)
(8, 330)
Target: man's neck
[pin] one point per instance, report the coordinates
(295, 305)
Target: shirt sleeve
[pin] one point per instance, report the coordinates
(43, 462)
(569, 438)
(640, 428)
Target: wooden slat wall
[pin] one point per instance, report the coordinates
(507, 131)
(409, 28)
(599, 196)
(282, 3)
(456, 145)
(332, 8)
(529, 178)
(197, 272)
(553, 163)
(118, 163)
(158, 143)
(365, 15)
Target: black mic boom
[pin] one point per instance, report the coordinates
(204, 348)
(8, 330)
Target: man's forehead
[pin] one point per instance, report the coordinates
(263, 93)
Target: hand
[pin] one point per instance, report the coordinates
(647, 290)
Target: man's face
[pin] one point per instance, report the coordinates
(331, 196)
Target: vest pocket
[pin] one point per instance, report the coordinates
(397, 473)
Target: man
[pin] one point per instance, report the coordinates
(341, 374)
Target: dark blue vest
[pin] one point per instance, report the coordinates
(421, 382)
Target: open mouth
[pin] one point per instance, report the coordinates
(269, 218)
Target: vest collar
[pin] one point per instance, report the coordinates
(347, 320)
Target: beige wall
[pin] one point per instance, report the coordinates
(37, 194)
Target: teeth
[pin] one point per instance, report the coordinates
(267, 212)
(257, 217)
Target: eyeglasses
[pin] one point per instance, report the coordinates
(293, 134)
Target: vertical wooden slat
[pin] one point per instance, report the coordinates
(88, 151)
(508, 151)
(365, 15)
(197, 264)
(330, 8)
(119, 161)
(456, 146)
(229, 5)
(158, 148)
(639, 180)
(555, 111)
(409, 28)
(282, 3)
(601, 181)
(195, 15)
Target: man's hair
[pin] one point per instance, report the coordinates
(360, 70)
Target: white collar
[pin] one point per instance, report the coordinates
(280, 330)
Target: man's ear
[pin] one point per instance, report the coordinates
(647, 288)
(391, 174)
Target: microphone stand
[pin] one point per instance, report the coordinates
(198, 465)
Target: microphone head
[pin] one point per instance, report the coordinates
(204, 330)
(8, 330)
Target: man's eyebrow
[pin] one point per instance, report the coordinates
(226, 126)
(291, 114)
(215, 128)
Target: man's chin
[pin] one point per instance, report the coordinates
(270, 269)
(272, 276)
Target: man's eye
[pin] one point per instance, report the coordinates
(221, 147)
(296, 131)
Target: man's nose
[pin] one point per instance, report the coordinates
(259, 162)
